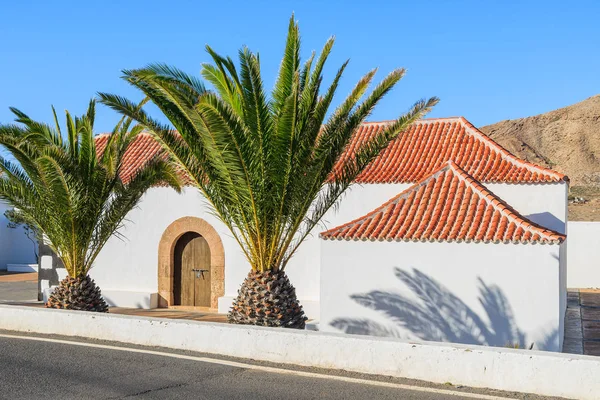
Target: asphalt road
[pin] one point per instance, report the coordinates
(42, 369)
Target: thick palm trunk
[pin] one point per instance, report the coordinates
(79, 293)
(267, 299)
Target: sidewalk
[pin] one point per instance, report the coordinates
(18, 276)
(582, 322)
(18, 286)
(170, 313)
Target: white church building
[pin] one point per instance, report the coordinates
(148, 268)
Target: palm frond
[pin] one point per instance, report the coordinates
(265, 162)
(69, 193)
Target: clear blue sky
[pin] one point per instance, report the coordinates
(486, 60)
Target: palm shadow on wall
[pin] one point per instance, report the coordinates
(440, 316)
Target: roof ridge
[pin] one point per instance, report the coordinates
(402, 195)
(421, 120)
(495, 202)
(473, 131)
(143, 132)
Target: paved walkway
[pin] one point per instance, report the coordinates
(16, 286)
(153, 313)
(582, 322)
(18, 276)
(170, 313)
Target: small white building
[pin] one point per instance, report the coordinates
(15, 247)
(446, 260)
(145, 269)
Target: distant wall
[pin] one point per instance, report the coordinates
(472, 293)
(15, 247)
(583, 257)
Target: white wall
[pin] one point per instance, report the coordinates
(131, 264)
(15, 248)
(584, 255)
(476, 293)
(545, 204)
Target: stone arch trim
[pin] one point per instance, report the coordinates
(166, 262)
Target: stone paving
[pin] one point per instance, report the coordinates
(16, 286)
(171, 313)
(582, 322)
(18, 276)
(194, 315)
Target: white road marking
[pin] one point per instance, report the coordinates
(266, 369)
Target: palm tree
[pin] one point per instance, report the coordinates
(72, 193)
(265, 162)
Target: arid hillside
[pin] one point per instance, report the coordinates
(567, 140)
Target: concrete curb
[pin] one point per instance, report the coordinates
(544, 373)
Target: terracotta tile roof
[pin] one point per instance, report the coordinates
(430, 143)
(424, 148)
(143, 148)
(448, 205)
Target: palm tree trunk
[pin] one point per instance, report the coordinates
(267, 299)
(79, 293)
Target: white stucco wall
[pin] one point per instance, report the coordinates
(130, 265)
(476, 293)
(15, 248)
(544, 204)
(584, 255)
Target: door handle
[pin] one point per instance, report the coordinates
(199, 272)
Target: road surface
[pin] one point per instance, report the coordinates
(44, 367)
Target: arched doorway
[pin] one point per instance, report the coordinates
(191, 265)
(191, 274)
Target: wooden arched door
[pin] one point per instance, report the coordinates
(192, 272)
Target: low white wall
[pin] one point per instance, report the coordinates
(130, 299)
(550, 374)
(583, 258)
(22, 267)
(476, 293)
(15, 248)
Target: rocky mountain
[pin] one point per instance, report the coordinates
(567, 140)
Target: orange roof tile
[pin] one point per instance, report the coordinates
(416, 153)
(430, 143)
(448, 205)
(143, 148)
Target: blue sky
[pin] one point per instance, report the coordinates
(486, 60)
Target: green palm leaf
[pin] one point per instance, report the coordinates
(265, 160)
(66, 190)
